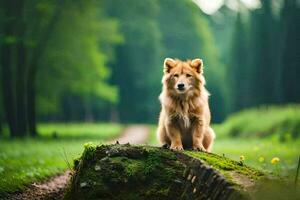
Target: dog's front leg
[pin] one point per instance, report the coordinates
(174, 135)
(198, 135)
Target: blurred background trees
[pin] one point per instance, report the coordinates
(89, 60)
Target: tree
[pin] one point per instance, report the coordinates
(77, 62)
(290, 70)
(7, 49)
(33, 31)
(238, 68)
(263, 68)
(137, 64)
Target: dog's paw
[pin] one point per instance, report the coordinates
(199, 148)
(176, 147)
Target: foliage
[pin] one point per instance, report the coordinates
(59, 52)
(77, 61)
(137, 61)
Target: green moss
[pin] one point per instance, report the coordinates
(89, 149)
(152, 162)
(137, 171)
(224, 165)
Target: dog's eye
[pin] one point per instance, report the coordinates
(188, 75)
(176, 75)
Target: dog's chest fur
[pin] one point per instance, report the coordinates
(184, 113)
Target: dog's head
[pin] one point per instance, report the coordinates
(183, 77)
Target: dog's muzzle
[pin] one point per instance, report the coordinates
(181, 87)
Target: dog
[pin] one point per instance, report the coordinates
(184, 121)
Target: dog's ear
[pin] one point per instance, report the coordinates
(197, 64)
(169, 63)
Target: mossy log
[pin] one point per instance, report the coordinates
(144, 172)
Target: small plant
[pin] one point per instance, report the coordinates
(242, 159)
(275, 161)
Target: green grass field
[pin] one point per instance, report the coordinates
(25, 161)
(258, 140)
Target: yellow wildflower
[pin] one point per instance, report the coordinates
(261, 159)
(275, 160)
(242, 158)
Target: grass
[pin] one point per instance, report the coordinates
(29, 160)
(280, 122)
(152, 138)
(258, 153)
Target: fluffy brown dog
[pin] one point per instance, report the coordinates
(184, 120)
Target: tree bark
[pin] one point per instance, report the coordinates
(31, 103)
(7, 65)
(21, 70)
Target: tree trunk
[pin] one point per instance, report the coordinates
(88, 113)
(21, 71)
(31, 104)
(7, 67)
(33, 68)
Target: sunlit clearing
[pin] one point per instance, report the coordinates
(209, 7)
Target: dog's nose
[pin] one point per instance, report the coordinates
(180, 86)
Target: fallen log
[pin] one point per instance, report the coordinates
(145, 172)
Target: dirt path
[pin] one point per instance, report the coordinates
(53, 188)
(137, 134)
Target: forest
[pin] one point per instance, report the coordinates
(102, 60)
(80, 78)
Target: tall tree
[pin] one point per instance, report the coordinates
(7, 49)
(21, 69)
(137, 64)
(290, 61)
(237, 71)
(29, 27)
(78, 64)
(37, 53)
